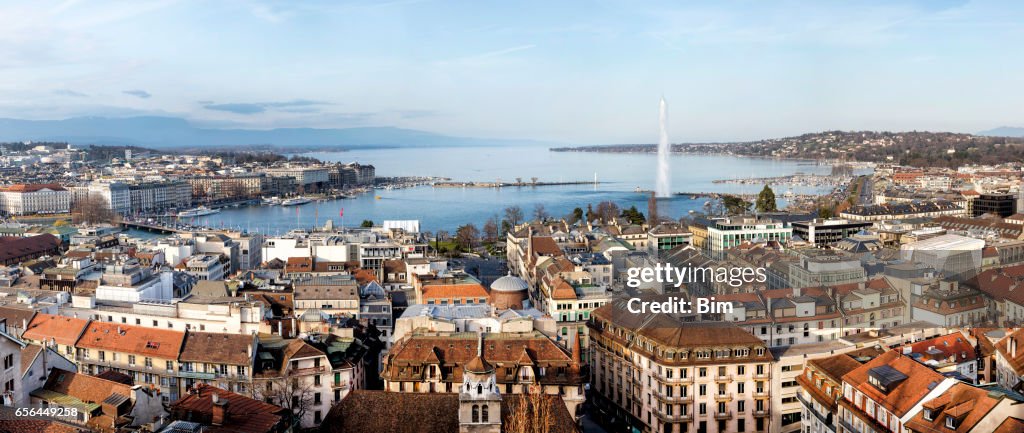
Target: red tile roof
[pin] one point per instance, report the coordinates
(242, 414)
(33, 187)
(89, 389)
(137, 340)
(62, 329)
(962, 401)
(903, 396)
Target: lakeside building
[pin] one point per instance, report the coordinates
(306, 177)
(657, 373)
(828, 232)
(247, 185)
(33, 199)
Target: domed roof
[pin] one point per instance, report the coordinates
(510, 283)
(478, 366)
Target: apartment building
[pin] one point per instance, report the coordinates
(664, 375)
(222, 360)
(525, 363)
(32, 199)
(821, 387)
(148, 355)
(883, 394)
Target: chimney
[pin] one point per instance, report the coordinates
(220, 408)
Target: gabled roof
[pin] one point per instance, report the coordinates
(213, 348)
(137, 340)
(903, 395)
(242, 414)
(382, 411)
(963, 402)
(62, 329)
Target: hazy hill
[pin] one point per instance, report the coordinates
(164, 132)
(1004, 131)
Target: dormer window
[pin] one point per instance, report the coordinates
(928, 416)
(951, 423)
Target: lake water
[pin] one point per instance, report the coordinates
(447, 208)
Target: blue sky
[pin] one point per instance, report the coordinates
(576, 72)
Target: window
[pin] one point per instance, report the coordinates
(483, 417)
(476, 413)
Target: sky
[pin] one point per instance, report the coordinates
(574, 72)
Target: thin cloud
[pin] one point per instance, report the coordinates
(139, 93)
(502, 52)
(247, 108)
(69, 92)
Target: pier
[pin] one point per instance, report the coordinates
(454, 184)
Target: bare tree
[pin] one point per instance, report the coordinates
(540, 213)
(533, 180)
(466, 236)
(607, 211)
(530, 413)
(491, 229)
(514, 215)
(294, 393)
(92, 209)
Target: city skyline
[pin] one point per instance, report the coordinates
(586, 73)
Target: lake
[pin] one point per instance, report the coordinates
(447, 208)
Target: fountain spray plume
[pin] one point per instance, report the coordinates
(662, 187)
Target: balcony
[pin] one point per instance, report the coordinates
(762, 376)
(763, 413)
(760, 394)
(307, 370)
(196, 375)
(723, 415)
(723, 396)
(661, 377)
(340, 385)
(661, 396)
(664, 417)
(723, 378)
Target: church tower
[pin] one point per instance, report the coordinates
(479, 398)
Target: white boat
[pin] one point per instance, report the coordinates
(298, 201)
(197, 212)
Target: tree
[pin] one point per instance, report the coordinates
(634, 216)
(735, 205)
(514, 215)
(466, 236)
(766, 200)
(92, 209)
(577, 214)
(607, 211)
(539, 212)
(491, 229)
(590, 213)
(367, 224)
(292, 392)
(825, 212)
(529, 413)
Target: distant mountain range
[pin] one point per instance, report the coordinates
(1004, 131)
(166, 132)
